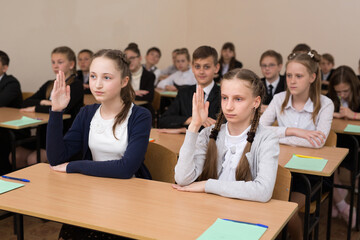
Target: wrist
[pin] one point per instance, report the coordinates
(193, 127)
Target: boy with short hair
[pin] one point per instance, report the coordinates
(152, 58)
(204, 66)
(84, 61)
(271, 65)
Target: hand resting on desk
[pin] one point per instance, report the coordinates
(193, 187)
(60, 167)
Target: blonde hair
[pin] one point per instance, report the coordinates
(243, 169)
(311, 61)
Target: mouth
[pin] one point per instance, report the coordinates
(229, 115)
(98, 93)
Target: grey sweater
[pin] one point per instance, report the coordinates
(263, 161)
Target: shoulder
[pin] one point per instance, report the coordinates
(238, 64)
(187, 90)
(89, 110)
(265, 133)
(326, 102)
(147, 74)
(279, 97)
(9, 78)
(139, 112)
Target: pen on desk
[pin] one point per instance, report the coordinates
(255, 224)
(18, 179)
(303, 156)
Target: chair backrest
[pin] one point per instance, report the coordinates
(331, 139)
(282, 184)
(156, 101)
(26, 95)
(161, 162)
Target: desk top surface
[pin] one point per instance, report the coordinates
(168, 140)
(137, 208)
(9, 114)
(338, 125)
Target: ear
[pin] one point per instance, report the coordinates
(257, 102)
(140, 58)
(72, 65)
(312, 77)
(5, 68)
(217, 67)
(280, 67)
(124, 82)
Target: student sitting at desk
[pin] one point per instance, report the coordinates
(181, 78)
(84, 60)
(237, 159)
(10, 96)
(304, 117)
(178, 115)
(227, 60)
(170, 69)
(62, 59)
(152, 58)
(113, 136)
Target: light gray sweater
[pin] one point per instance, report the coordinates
(263, 161)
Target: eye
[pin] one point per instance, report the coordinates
(197, 67)
(288, 75)
(92, 76)
(107, 77)
(238, 99)
(298, 75)
(206, 67)
(224, 98)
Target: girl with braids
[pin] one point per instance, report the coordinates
(112, 136)
(62, 59)
(237, 159)
(304, 117)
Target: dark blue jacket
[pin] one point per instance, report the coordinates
(60, 149)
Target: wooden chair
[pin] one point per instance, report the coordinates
(156, 106)
(161, 162)
(282, 184)
(26, 95)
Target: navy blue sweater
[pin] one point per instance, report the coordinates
(60, 149)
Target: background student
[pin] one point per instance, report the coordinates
(178, 115)
(84, 60)
(10, 96)
(183, 77)
(113, 136)
(62, 59)
(227, 60)
(170, 69)
(326, 65)
(142, 81)
(304, 117)
(237, 159)
(271, 65)
(152, 58)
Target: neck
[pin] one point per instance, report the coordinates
(273, 79)
(299, 100)
(148, 66)
(235, 129)
(137, 69)
(205, 85)
(227, 61)
(111, 108)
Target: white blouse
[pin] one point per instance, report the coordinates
(234, 149)
(179, 78)
(102, 143)
(293, 118)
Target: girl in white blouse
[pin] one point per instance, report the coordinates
(304, 117)
(237, 159)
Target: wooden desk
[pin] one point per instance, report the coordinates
(170, 141)
(338, 126)
(334, 156)
(90, 99)
(137, 208)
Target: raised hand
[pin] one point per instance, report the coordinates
(200, 110)
(60, 95)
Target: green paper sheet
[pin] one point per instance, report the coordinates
(223, 230)
(169, 93)
(352, 128)
(21, 122)
(311, 164)
(6, 186)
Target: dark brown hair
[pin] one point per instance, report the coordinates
(86, 51)
(301, 47)
(4, 58)
(328, 57)
(242, 170)
(133, 47)
(154, 49)
(231, 47)
(70, 55)
(311, 61)
(345, 74)
(205, 52)
(272, 53)
(127, 93)
(184, 51)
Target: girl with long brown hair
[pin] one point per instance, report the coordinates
(237, 159)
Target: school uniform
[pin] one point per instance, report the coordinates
(10, 96)
(179, 79)
(273, 88)
(181, 108)
(156, 72)
(84, 80)
(326, 77)
(237, 64)
(262, 157)
(169, 70)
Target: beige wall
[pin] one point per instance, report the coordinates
(31, 31)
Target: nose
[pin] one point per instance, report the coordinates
(342, 95)
(98, 83)
(229, 105)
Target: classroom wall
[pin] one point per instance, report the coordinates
(30, 32)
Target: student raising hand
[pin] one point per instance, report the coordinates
(199, 110)
(60, 95)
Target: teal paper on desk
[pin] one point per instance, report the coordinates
(169, 93)
(6, 186)
(223, 229)
(311, 164)
(352, 128)
(22, 121)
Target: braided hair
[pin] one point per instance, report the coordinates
(127, 93)
(243, 169)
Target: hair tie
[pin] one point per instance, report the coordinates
(250, 137)
(213, 134)
(311, 54)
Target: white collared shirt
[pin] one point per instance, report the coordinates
(274, 84)
(179, 78)
(207, 90)
(293, 118)
(1, 76)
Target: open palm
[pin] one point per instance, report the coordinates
(200, 109)
(60, 96)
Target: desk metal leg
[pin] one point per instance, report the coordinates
(331, 193)
(19, 226)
